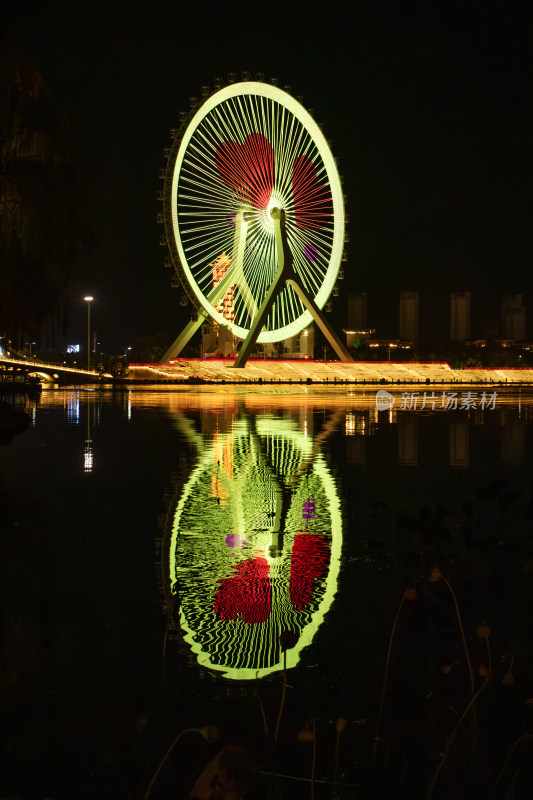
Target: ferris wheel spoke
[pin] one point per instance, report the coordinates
(200, 156)
(238, 168)
(198, 167)
(291, 141)
(259, 266)
(260, 153)
(261, 278)
(204, 251)
(208, 140)
(310, 279)
(311, 237)
(190, 230)
(291, 303)
(199, 194)
(206, 245)
(200, 191)
(310, 247)
(297, 141)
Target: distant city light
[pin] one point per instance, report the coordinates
(73, 348)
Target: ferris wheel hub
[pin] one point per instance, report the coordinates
(266, 216)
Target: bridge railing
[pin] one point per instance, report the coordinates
(33, 365)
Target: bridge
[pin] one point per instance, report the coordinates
(14, 369)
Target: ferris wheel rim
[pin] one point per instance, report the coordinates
(174, 235)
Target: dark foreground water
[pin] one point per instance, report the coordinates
(156, 548)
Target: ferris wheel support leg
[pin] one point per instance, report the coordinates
(321, 320)
(234, 275)
(285, 274)
(284, 264)
(185, 336)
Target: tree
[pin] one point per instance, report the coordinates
(41, 202)
(149, 349)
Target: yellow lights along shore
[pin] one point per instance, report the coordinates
(255, 545)
(249, 148)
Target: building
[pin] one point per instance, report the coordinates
(513, 318)
(357, 338)
(218, 339)
(357, 311)
(460, 316)
(409, 317)
(407, 440)
(301, 346)
(459, 443)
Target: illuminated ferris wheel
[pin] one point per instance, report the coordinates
(254, 215)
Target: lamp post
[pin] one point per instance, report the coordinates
(88, 300)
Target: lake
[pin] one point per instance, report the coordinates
(344, 592)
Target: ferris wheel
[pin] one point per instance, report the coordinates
(254, 217)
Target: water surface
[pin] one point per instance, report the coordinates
(157, 544)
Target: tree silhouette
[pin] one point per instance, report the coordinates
(41, 203)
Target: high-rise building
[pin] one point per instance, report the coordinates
(409, 316)
(460, 316)
(357, 311)
(513, 443)
(407, 439)
(513, 318)
(459, 444)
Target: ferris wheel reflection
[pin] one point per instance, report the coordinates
(252, 543)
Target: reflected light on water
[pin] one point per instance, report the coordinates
(88, 458)
(249, 546)
(73, 409)
(253, 543)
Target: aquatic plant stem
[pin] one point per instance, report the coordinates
(178, 737)
(313, 762)
(165, 641)
(385, 678)
(282, 695)
(489, 656)
(453, 735)
(460, 621)
(336, 767)
(508, 758)
(262, 707)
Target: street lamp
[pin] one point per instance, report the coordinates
(88, 300)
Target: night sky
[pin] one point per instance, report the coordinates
(428, 109)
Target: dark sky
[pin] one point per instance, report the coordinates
(428, 109)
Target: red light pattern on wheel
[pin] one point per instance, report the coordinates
(313, 205)
(309, 561)
(247, 594)
(248, 168)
